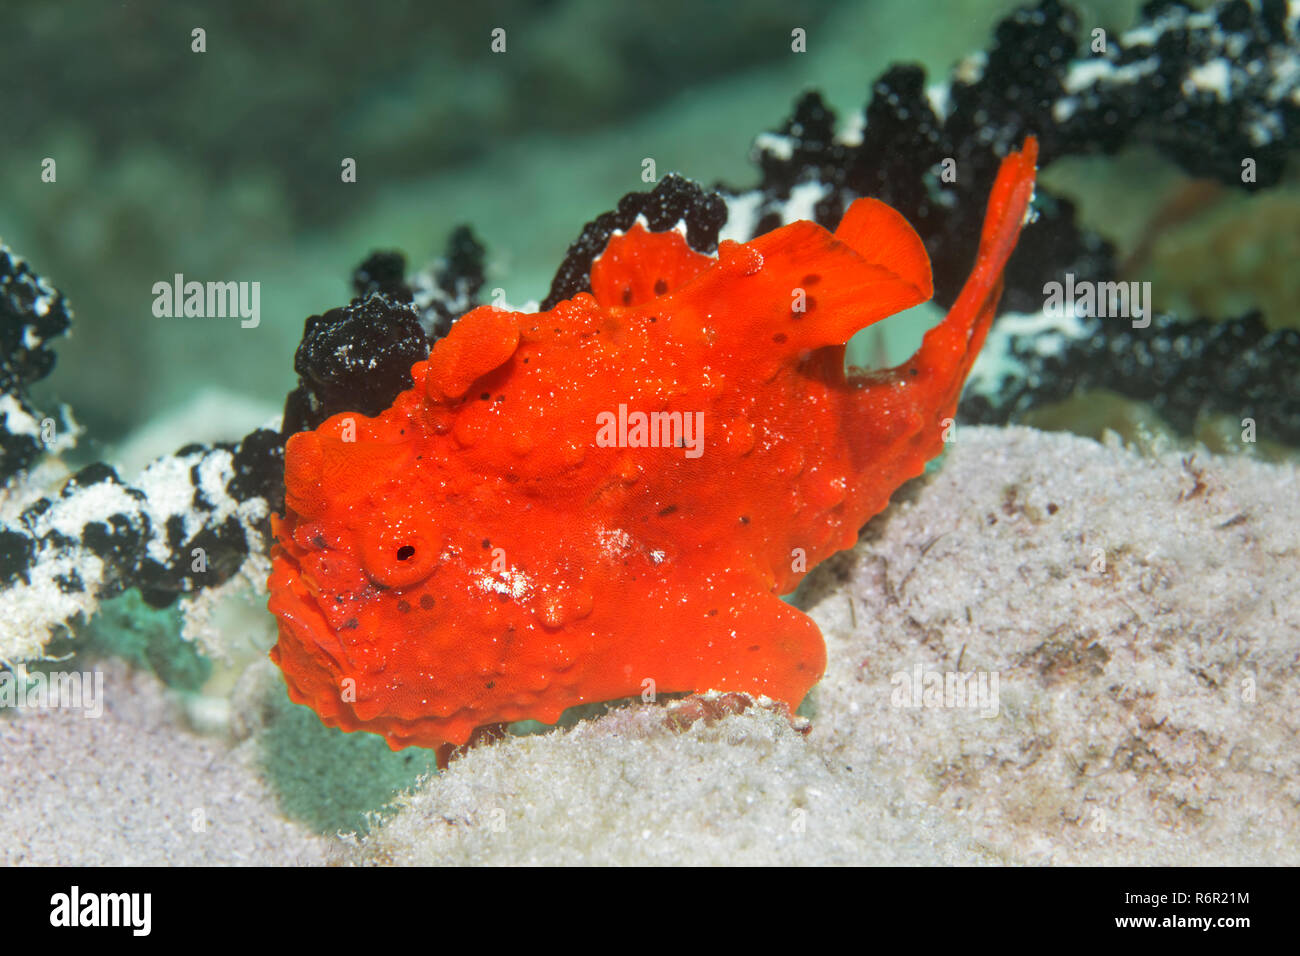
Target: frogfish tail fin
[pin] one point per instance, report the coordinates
(950, 348)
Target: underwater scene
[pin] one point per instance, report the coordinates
(585, 433)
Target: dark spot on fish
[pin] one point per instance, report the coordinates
(779, 337)
(713, 613)
(660, 286)
(427, 601)
(486, 544)
(667, 511)
(744, 519)
(627, 295)
(405, 553)
(351, 624)
(811, 279)
(403, 607)
(485, 396)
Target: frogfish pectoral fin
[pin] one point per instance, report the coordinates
(728, 633)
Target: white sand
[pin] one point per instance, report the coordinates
(1145, 714)
(129, 787)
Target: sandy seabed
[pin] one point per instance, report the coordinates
(1132, 625)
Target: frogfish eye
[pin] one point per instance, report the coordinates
(400, 546)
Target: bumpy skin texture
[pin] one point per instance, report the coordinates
(474, 555)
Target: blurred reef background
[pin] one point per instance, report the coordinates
(226, 164)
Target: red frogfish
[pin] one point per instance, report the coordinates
(611, 496)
